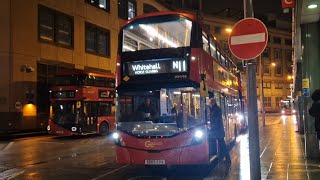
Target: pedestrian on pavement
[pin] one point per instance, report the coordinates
(217, 129)
(314, 111)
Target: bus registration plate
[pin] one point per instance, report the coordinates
(154, 162)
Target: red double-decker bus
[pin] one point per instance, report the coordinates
(169, 60)
(82, 102)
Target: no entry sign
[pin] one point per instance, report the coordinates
(248, 39)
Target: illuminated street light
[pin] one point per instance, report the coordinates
(290, 77)
(312, 6)
(228, 30)
(273, 64)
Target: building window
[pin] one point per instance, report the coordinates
(267, 101)
(278, 70)
(266, 53)
(278, 86)
(288, 55)
(97, 40)
(217, 30)
(266, 69)
(277, 54)
(278, 101)
(55, 27)
(267, 85)
(127, 9)
(101, 4)
(276, 40)
(288, 42)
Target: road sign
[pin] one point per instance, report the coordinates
(248, 39)
(288, 4)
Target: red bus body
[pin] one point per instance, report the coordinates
(146, 73)
(82, 98)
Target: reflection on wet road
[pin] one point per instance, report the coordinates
(93, 157)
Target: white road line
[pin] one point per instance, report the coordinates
(15, 175)
(247, 39)
(7, 146)
(47, 142)
(11, 173)
(109, 172)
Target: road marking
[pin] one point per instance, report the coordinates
(47, 142)
(10, 174)
(109, 172)
(7, 146)
(247, 39)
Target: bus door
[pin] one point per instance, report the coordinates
(90, 116)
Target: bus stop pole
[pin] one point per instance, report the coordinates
(254, 147)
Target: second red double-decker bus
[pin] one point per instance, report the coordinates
(168, 67)
(82, 102)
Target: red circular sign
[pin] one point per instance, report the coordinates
(248, 38)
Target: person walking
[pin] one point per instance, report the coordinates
(217, 129)
(314, 111)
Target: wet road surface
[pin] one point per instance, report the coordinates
(93, 157)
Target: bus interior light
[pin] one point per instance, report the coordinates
(240, 117)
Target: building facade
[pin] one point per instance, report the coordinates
(39, 37)
(275, 63)
(276, 59)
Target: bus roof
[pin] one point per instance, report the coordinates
(192, 17)
(80, 71)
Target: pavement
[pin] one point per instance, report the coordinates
(281, 154)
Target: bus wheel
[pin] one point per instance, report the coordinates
(103, 129)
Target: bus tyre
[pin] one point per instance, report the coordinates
(103, 129)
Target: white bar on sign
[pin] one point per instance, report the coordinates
(247, 39)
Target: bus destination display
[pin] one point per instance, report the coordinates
(156, 67)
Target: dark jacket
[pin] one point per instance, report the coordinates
(216, 123)
(314, 111)
(148, 109)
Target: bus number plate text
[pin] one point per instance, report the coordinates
(180, 76)
(154, 162)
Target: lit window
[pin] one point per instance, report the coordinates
(101, 4)
(127, 9)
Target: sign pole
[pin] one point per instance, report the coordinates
(254, 146)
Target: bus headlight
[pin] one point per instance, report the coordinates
(73, 129)
(198, 134)
(282, 111)
(198, 137)
(116, 138)
(294, 111)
